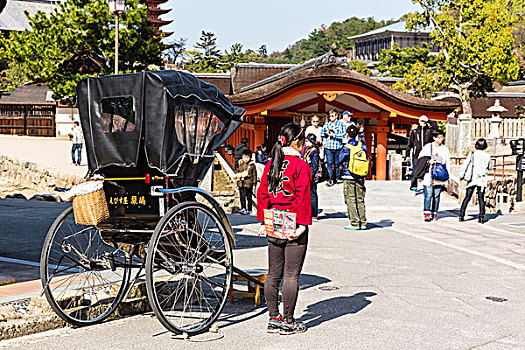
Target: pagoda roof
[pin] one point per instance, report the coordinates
(158, 10)
(160, 22)
(156, 1)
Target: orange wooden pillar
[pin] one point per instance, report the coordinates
(258, 129)
(368, 141)
(381, 134)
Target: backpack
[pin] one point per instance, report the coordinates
(322, 172)
(358, 162)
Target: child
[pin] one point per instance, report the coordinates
(311, 157)
(246, 180)
(354, 190)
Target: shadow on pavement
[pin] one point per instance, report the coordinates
(236, 312)
(308, 281)
(333, 308)
(381, 224)
(469, 217)
(248, 241)
(337, 215)
(238, 219)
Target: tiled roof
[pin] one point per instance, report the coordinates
(398, 27)
(31, 93)
(13, 17)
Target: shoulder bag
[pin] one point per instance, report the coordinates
(438, 171)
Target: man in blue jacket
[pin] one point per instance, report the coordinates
(354, 185)
(333, 133)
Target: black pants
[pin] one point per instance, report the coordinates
(315, 200)
(284, 260)
(468, 197)
(413, 182)
(246, 196)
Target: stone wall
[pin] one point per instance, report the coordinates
(24, 179)
(499, 186)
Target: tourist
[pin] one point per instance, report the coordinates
(286, 185)
(311, 157)
(239, 149)
(333, 132)
(346, 120)
(77, 137)
(354, 157)
(261, 157)
(418, 137)
(314, 128)
(439, 159)
(246, 180)
(475, 171)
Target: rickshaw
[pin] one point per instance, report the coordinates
(150, 138)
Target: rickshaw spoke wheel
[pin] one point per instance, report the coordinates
(189, 268)
(84, 279)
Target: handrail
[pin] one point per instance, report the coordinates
(495, 158)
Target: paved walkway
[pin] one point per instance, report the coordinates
(391, 205)
(48, 152)
(402, 284)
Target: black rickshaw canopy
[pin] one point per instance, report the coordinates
(156, 117)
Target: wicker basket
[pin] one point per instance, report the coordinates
(91, 208)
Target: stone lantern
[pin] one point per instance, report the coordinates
(496, 110)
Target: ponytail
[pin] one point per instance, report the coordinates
(288, 134)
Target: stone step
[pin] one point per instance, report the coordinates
(6, 279)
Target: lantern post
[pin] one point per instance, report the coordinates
(116, 7)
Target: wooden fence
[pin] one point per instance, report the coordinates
(30, 120)
(508, 128)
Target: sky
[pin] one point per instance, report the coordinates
(276, 23)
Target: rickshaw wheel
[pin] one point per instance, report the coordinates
(84, 279)
(189, 268)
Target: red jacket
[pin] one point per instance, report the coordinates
(293, 194)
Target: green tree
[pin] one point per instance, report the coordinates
(359, 67)
(263, 51)
(422, 81)
(476, 43)
(77, 40)
(206, 57)
(176, 51)
(321, 39)
(235, 55)
(396, 62)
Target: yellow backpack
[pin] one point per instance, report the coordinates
(358, 163)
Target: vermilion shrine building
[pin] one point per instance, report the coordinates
(315, 87)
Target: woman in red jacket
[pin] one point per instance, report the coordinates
(285, 185)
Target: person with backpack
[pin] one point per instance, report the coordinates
(285, 186)
(354, 156)
(311, 157)
(437, 175)
(239, 149)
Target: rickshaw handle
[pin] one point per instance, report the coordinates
(153, 178)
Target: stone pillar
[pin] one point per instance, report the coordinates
(465, 134)
(396, 167)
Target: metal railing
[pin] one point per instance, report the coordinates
(503, 165)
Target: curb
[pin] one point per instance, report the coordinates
(39, 317)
